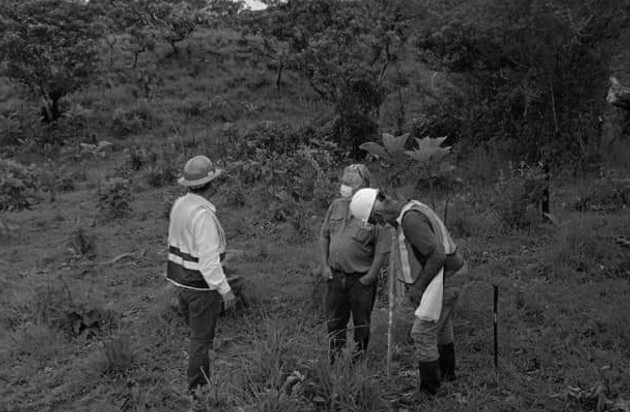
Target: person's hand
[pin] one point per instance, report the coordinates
(415, 295)
(326, 272)
(366, 280)
(228, 300)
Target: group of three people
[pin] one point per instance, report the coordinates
(359, 230)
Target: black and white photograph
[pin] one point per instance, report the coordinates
(314, 205)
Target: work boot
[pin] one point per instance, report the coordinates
(429, 377)
(447, 362)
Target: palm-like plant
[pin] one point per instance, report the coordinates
(426, 161)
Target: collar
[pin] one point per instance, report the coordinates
(404, 210)
(202, 200)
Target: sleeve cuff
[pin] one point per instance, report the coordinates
(224, 288)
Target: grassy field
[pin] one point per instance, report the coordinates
(88, 322)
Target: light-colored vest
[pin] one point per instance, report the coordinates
(410, 266)
(183, 256)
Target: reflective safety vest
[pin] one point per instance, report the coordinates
(410, 267)
(183, 251)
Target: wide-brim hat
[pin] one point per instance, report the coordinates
(359, 171)
(199, 171)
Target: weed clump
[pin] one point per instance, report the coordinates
(54, 304)
(115, 199)
(18, 186)
(163, 173)
(82, 244)
(136, 158)
(126, 122)
(343, 387)
(119, 355)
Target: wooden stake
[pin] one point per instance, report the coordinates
(496, 327)
(391, 295)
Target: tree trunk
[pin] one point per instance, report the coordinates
(50, 107)
(136, 54)
(279, 76)
(175, 51)
(545, 193)
(401, 112)
(111, 44)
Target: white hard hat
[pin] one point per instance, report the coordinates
(362, 203)
(198, 171)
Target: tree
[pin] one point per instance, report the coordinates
(178, 24)
(271, 37)
(50, 47)
(342, 48)
(131, 22)
(174, 21)
(530, 71)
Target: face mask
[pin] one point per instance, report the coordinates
(345, 191)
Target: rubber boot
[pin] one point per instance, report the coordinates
(447, 362)
(429, 377)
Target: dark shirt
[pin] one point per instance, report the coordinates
(352, 243)
(424, 242)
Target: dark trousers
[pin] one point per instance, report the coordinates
(345, 295)
(201, 311)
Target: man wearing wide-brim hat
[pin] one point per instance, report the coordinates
(196, 243)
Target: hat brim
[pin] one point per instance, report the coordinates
(202, 181)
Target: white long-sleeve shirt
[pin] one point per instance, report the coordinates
(196, 241)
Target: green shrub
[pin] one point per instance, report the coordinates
(18, 185)
(115, 199)
(161, 174)
(277, 160)
(284, 208)
(233, 193)
(10, 129)
(14, 128)
(65, 184)
(19, 122)
(518, 194)
(126, 122)
(271, 137)
(82, 244)
(138, 158)
(221, 109)
(75, 120)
